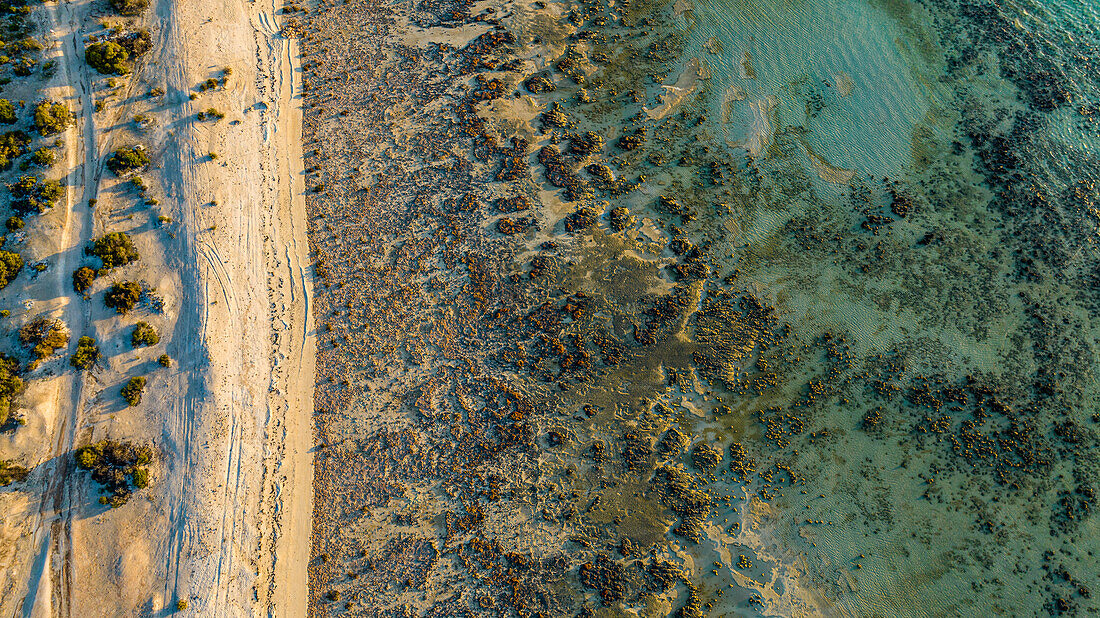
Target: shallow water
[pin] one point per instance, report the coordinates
(890, 545)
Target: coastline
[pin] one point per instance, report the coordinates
(289, 493)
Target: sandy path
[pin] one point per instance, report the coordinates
(50, 580)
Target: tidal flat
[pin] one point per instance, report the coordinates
(702, 309)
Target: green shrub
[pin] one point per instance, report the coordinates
(129, 7)
(127, 159)
(108, 57)
(116, 466)
(181, 604)
(24, 66)
(83, 278)
(136, 43)
(164, 360)
(12, 144)
(10, 265)
(140, 478)
(43, 336)
(133, 389)
(14, 224)
(10, 472)
(144, 334)
(44, 157)
(51, 118)
(33, 195)
(123, 296)
(210, 114)
(10, 385)
(114, 250)
(86, 354)
(7, 112)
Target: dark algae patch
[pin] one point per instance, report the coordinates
(665, 309)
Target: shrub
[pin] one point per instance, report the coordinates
(136, 43)
(211, 113)
(13, 224)
(129, 7)
(51, 118)
(140, 478)
(83, 278)
(133, 389)
(144, 334)
(12, 144)
(33, 195)
(86, 354)
(7, 112)
(44, 157)
(165, 360)
(108, 57)
(24, 66)
(116, 466)
(181, 604)
(10, 265)
(10, 472)
(123, 296)
(10, 385)
(43, 336)
(114, 250)
(127, 159)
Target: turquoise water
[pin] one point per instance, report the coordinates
(798, 50)
(903, 519)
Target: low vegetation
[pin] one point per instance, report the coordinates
(114, 250)
(123, 296)
(118, 467)
(44, 157)
(32, 195)
(144, 334)
(86, 354)
(211, 114)
(14, 224)
(133, 390)
(108, 58)
(7, 112)
(129, 7)
(83, 278)
(51, 118)
(43, 336)
(164, 360)
(13, 144)
(114, 56)
(10, 472)
(127, 159)
(10, 265)
(10, 385)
